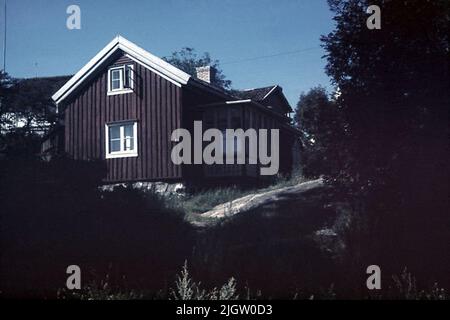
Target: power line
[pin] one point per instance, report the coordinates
(4, 44)
(270, 55)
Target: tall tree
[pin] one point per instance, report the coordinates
(29, 102)
(26, 111)
(394, 81)
(395, 99)
(187, 60)
(6, 82)
(320, 123)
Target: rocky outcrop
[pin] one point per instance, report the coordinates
(257, 201)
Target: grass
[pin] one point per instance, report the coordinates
(194, 204)
(406, 288)
(208, 199)
(205, 200)
(187, 288)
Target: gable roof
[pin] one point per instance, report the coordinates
(257, 94)
(149, 60)
(261, 94)
(162, 68)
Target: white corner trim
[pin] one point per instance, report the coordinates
(171, 73)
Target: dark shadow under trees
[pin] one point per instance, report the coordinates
(53, 216)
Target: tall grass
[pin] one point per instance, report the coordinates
(405, 287)
(205, 200)
(185, 287)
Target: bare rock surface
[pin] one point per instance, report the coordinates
(256, 201)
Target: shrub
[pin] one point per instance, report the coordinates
(188, 289)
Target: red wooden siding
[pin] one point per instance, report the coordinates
(155, 104)
(251, 117)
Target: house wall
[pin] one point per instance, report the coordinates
(249, 116)
(256, 118)
(192, 98)
(155, 104)
(276, 102)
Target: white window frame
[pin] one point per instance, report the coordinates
(122, 153)
(121, 89)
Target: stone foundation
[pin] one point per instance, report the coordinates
(163, 188)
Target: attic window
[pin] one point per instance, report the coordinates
(120, 79)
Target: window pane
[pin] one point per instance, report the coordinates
(127, 82)
(129, 144)
(115, 74)
(115, 84)
(114, 145)
(128, 130)
(114, 132)
(129, 137)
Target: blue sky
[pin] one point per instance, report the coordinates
(230, 30)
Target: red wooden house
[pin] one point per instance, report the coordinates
(124, 104)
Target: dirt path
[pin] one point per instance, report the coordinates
(254, 201)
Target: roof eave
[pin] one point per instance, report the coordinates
(279, 89)
(206, 86)
(120, 43)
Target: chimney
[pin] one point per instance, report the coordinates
(205, 73)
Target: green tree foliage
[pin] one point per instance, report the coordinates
(394, 86)
(5, 88)
(187, 60)
(30, 101)
(320, 123)
(393, 82)
(26, 112)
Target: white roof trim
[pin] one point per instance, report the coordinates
(238, 101)
(153, 70)
(149, 60)
(271, 90)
